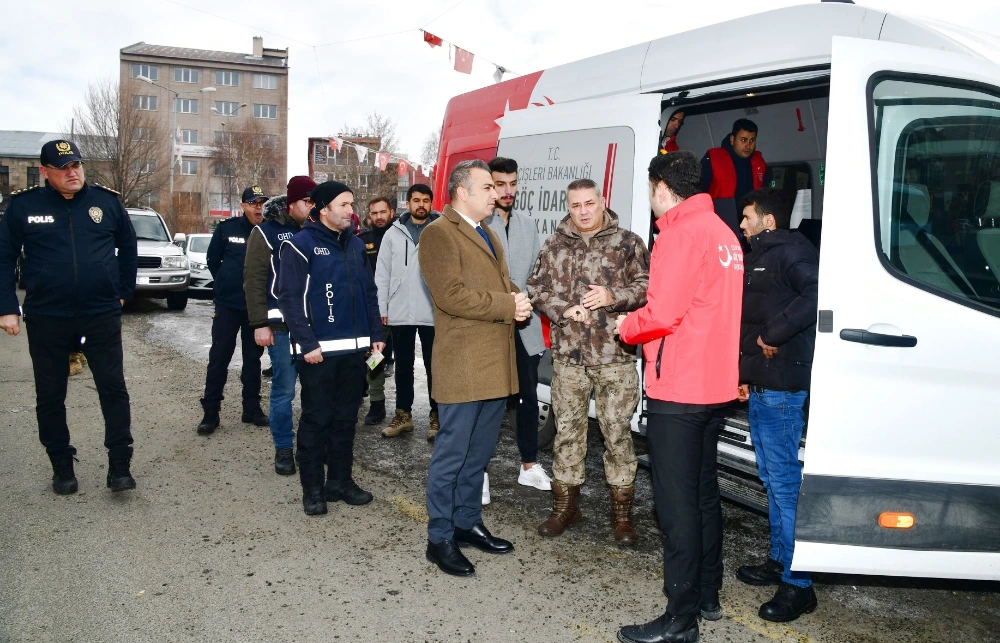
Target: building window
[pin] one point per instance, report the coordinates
(146, 103)
(265, 81)
(340, 159)
(226, 108)
(189, 168)
(320, 153)
(151, 200)
(223, 138)
(32, 177)
(185, 75)
(144, 167)
(151, 72)
(227, 78)
(221, 169)
(269, 141)
(265, 111)
(186, 105)
(142, 133)
(189, 136)
(4, 179)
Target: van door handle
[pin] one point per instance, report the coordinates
(877, 339)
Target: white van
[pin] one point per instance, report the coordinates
(886, 130)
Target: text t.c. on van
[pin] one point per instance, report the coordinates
(886, 131)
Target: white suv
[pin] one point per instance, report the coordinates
(163, 266)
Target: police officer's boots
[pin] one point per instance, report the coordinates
(63, 477)
(209, 423)
(621, 514)
(376, 413)
(119, 477)
(564, 510)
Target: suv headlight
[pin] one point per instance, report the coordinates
(175, 262)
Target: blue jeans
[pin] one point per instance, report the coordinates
(776, 423)
(282, 391)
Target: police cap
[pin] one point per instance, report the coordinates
(59, 153)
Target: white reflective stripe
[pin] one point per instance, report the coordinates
(274, 313)
(333, 345)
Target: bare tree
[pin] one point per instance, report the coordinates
(126, 148)
(429, 153)
(248, 154)
(376, 125)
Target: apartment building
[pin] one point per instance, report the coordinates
(203, 97)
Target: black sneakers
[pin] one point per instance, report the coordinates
(209, 423)
(376, 413)
(313, 501)
(256, 417)
(348, 491)
(284, 462)
(63, 478)
(119, 477)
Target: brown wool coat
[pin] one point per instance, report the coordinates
(473, 357)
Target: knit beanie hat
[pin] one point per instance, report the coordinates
(326, 192)
(299, 187)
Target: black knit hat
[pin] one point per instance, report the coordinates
(326, 192)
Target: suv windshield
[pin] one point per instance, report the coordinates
(148, 228)
(200, 244)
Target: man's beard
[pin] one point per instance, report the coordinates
(506, 209)
(417, 217)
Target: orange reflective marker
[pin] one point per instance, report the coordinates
(896, 520)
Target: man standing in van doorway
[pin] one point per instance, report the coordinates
(690, 334)
(730, 171)
(589, 271)
(520, 243)
(674, 125)
(777, 339)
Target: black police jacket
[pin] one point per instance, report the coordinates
(372, 239)
(779, 306)
(70, 267)
(225, 257)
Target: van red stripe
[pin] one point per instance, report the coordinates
(609, 172)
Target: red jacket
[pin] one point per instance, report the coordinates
(690, 325)
(724, 174)
(669, 145)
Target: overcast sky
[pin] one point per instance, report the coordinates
(52, 53)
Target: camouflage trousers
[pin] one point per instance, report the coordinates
(616, 394)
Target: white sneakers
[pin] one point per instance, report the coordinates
(535, 477)
(486, 488)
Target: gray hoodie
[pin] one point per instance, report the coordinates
(403, 297)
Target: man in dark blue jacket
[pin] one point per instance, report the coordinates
(327, 298)
(225, 258)
(75, 287)
(777, 339)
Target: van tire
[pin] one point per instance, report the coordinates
(177, 300)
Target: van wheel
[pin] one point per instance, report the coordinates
(177, 300)
(547, 431)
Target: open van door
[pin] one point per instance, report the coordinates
(902, 461)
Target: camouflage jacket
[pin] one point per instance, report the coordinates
(614, 258)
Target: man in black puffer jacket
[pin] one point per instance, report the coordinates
(777, 339)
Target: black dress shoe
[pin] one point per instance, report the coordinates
(789, 603)
(256, 416)
(209, 423)
(481, 538)
(284, 462)
(313, 501)
(267, 372)
(666, 629)
(119, 476)
(449, 558)
(767, 574)
(710, 610)
(348, 491)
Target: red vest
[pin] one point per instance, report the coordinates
(670, 145)
(724, 174)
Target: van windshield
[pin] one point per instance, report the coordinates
(199, 244)
(148, 228)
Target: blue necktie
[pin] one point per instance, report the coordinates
(486, 238)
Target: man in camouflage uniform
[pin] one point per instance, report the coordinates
(588, 272)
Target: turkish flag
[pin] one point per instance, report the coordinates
(432, 40)
(333, 145)
(463, 60)
(382, 160)
(403, 167)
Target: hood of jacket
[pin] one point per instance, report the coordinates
(275, 207)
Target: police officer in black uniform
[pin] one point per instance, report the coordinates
(226, 254)
(326, 295)
(75, 287)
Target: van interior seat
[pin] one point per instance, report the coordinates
(921, 255)
(988, 240)
(987, 203)
(802, 208)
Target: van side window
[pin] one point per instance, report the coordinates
(938, 181)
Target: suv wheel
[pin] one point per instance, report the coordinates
(177, 300)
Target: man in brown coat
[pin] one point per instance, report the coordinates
(475, 370)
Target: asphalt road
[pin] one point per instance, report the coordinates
(213, 546)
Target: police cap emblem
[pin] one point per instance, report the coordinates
(63, 147)
(96, 214)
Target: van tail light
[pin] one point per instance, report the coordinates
(896, 520)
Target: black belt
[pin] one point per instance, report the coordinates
(759, 390)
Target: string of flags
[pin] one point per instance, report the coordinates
(462, 57)
(382, 159)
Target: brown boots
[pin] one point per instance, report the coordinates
(564, 510)
(621, 514)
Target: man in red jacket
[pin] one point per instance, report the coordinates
(690, 332)
(732, 170)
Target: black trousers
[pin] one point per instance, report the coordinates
(527, 401)
(226, 325)
(50, 341)
(331, 396)
(682, 452)
(404, 340)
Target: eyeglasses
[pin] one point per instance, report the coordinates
(75, 165)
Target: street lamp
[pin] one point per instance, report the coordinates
(173, 126)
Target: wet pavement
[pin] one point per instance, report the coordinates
(213, 546)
